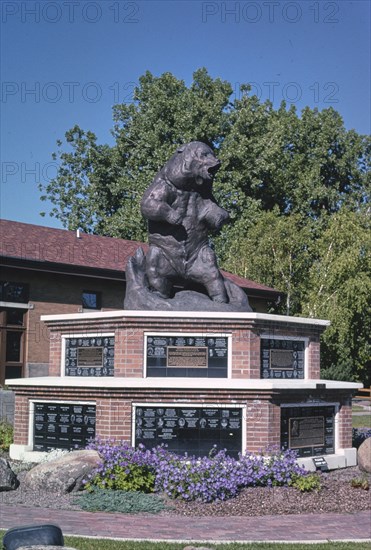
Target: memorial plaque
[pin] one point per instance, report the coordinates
(193, 430)
(63, 426)
(188, 356)
(90, 356)
(282, 358)
(308, 430)
(195, 357)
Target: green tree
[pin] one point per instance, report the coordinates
(98, 188)
(340, 290)
(296, 186)
(277, 251)
(270, 158)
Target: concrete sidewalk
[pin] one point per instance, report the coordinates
(306, 527)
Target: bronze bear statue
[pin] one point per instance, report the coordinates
(181, 212)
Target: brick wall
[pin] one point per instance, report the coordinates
(345, 423)
(21, 420)
(114, 406)
(129, 341)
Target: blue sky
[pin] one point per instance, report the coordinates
(67, 62)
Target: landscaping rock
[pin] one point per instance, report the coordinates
(364, 455)
(195, 548)
(63, 475)
(8, 479)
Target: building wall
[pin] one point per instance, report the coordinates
(49, 294)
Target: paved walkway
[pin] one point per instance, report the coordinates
(306, 527)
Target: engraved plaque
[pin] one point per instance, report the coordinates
(281, 359)
(190, 429)
(307, 432)
(187, 355)
(63, 426)
(90, 357)
(195, 357)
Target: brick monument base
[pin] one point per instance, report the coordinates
(240, 381)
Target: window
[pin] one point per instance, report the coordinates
(91, 299)
(13, 346)
(14, 317)
(12, 342)
(13, 292)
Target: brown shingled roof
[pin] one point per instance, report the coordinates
(36, 243)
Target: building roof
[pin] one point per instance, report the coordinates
(49, 249)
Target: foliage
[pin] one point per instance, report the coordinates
(340, 290)
(130, 477)
(276, 250)
(297, 187)
(360, 483)
(310, 482)
(359, 435)
(123, 468)
(361, 421)
(6, 435)
(210, 478)
(126, 502)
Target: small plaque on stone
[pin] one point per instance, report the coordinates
(320, 463)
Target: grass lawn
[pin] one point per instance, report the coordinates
(102, 544)
(358, 409)
(362, 421)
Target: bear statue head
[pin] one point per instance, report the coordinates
(194, 165)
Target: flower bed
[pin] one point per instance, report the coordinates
(216, 477)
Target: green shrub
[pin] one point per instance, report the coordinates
(131, 477)
(126, 502)
(6, 436)
(309, 482)
(360, 483)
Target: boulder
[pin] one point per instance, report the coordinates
(364, 455)
(8, 479)
(194, 548)
(64, 474)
